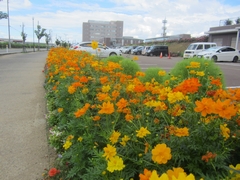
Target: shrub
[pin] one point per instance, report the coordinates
(207, 72)
(130, 67)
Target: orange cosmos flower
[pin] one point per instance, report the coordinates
(103, 79)
(53, 172)
(83, 79)
(205, 106)
(208, 156)
(96, 118)
(139, 88)
(122, 103)
(180, 132)
(225, 109)
(216, 82)
(71, 89)
(129, 117)
(190, 85)
(106, 108)
(161, 154)
(146, 175)
(82, 111)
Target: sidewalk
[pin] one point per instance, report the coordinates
(18, 50)
(24, 150)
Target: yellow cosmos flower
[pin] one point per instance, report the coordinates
(114, 137)
(80, 139)
(161, 73)
(135, 58)
(175, 172)
(67, 145)
(115, 164)
(70, 137)
(125, 139)
(109, 151)
(154, 176)
(106, 88)
(94, 44)
(194, 64)
(200, 73)
(161, 154)
(235, 168)
(60, 110)
(225, 131)
(192, 72)
(175, 96)
(142, 132)
(184, 176)
(85, 90)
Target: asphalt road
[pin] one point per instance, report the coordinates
(24, 151)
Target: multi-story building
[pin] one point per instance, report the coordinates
(96, 30)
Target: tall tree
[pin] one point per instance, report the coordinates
(237, 20)
(228, 22)
(24, 37)
(3, 15)
(40, 32)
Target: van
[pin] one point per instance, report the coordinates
(194, 48)
(156, 50)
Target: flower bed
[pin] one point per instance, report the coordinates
(106, 124)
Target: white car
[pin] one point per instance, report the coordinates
(102, 51)
(220, 53)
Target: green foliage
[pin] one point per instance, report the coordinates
(115, 59)
(130, 67)
(152, 73)
(183, 70)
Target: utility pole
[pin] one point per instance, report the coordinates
(33, 36)
(9, 43)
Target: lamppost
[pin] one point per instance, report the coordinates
(33, 36)
(9, 43)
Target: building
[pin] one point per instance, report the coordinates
(226, 35)
(96, 30)
(121, 41)
(167, 38)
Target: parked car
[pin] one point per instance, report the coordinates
(102, 51)
(123, 49)
(156, 50)
(129, 50)
(194, 48)
(220, 53)
(145, 49)
(137, 50)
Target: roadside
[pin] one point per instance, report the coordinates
(7, 51)
(24, 150)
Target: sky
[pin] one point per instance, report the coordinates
(141, 18)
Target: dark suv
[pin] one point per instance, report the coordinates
(156, 50)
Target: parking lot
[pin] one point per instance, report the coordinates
(230, 70)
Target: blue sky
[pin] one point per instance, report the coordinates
(142, 18)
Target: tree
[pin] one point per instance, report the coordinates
(237, 20)
(40, 32)
(57, 42)
(48, 39)
(228, 22)
(3, 15)
(24, 37)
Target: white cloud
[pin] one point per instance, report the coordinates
(142, 18)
